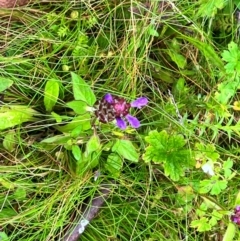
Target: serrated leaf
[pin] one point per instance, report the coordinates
(5, 83)
(126, 149)
(15, 116)
(213, 185)
(82, 91)
(232, 57)
(202, 224)
(169, 151)
(209, 8)
(51, 93)
(77, 153)
(78, 106)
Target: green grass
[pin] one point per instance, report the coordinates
(173, 55)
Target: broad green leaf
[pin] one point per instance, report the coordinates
(230, 232)
(83, 120)
(17, 115)
(76, 132)
(9, 141)
(51, 94)
(114, 164)
(78, 106)
(93, 145)
(4, 237)
(82, 91)
(7, 213)
(56, 116)
(126, 149)
(5, 83)
(77, 153)
(202, 224)
(170, 151)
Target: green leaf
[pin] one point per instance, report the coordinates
(168, 150)
(5, 83)
(226, 90)
(83, 120)
(215, 217)
(57, 139)
(51, 94)
(227, 165)
(78, 106)
(153, 32)
(4, 237)
(206, 152)
(82, 91)
(93, 145)
(230, 232)
(10, 141)
(7, 213)
(16, 115)
(126, 149)
(209, 8)
(202, 224)
(216, 186)
(77, 153)
(232, 57)
(114, 164)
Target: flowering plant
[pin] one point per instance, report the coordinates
(236, 216)
(112, 107)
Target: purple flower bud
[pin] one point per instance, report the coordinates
(140, 102)
(108, 97)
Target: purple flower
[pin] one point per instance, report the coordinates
(113, 107)
(235, 217)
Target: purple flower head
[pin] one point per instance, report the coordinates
(113, 107)
(235, 217)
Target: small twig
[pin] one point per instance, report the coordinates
(89, 213)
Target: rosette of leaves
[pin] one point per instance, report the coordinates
(170, 151)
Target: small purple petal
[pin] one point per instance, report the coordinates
(121, 123)
(134, 122)
(108, 97)
(237, 208)
(140, 102)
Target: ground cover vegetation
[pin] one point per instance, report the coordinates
(141, 98)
